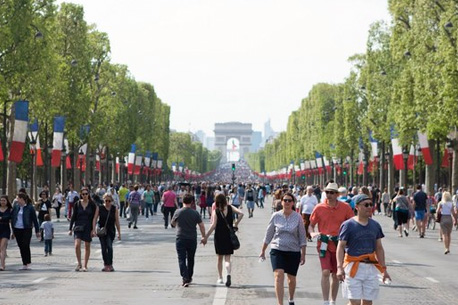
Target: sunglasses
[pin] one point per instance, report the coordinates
(330, 192)
(84, 194)
(288, 200)
(367, 204)
(107, 200)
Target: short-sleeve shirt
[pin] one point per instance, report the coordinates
(420, 199)
(329, 219)
(308, 203)
(169, 199)
(187, 219)
(361, 239)
(148, 196)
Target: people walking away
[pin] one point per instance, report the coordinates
(185, 220)
(123, 191)
(169, 199)
(360, 255)
(448, 219)
(148, 198)
(420, 206)
(249, 199)
(24, 219)
(261, 195)
(157, 199)
(107, 216)
(6, 212)
(203, 205)
(222, 224)
(81, 225)
(287, 238)
(385, 202)
(329, 216)
(402, 212)
(134, 206)
(47, 230)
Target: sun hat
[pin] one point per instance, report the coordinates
(332, 187)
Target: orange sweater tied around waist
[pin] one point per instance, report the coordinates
(365, 258)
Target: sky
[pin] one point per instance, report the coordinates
(216, 61)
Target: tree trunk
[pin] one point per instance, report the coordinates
(391, 182)
(430, 171)
(454, 168)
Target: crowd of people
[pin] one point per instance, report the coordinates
(331, 215)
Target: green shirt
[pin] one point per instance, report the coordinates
(148, 196)
(123, 191)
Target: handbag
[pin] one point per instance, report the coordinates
(102, 232)
(234, 239)
(438, 216)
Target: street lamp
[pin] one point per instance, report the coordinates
(51, 174)
(450, 159)
(405, 155)
(80, 159)
(419, 154)
(33, 149)
(63, 168)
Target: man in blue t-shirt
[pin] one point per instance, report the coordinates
(420, 198)
(360, 253)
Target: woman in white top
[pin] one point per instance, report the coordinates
(448, 219)
(57, 200)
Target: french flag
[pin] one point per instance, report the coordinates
(374, 145)
(21, 120)
(97, 162)
(117, 165)
(412, 160)
(138, 164)
(319, 162)
(58, 140)
(131, 159)
(424, 145)
(174, 167)
(397, 151)
(148, 159)
(33, 134)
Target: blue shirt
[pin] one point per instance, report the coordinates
(360, 239)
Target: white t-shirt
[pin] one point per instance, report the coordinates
(308, 203)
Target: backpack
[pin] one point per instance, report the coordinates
(249, 195)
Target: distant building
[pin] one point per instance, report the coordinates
(233, 140)
(201, 136)
(256, 141)
(210, 143)
(269, 134)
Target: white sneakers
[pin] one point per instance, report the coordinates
(220, 281)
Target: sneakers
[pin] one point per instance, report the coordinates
(290, 302)
(220, 281)
(78, 268)
(447, 251)
(135, 227)
(406, 233)
(228, 281)
(129, 225)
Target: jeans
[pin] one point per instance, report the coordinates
(186, 250)
(48, 245)
(23, 237)
(106, 245)
(122, 209)
(58, 210)
(149, 208)
(134, 211)
(156, 203)
(167, 211)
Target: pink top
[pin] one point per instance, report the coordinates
(169, 199)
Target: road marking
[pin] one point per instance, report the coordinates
(397, 262)
(41, 279)
(432, 280)
(220, 296)
(98, 251)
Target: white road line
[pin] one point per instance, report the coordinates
(98, 251)
(220, 296)
(397, 262)
(41, 279)
(432, 280)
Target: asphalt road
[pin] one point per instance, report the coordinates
(147, 270)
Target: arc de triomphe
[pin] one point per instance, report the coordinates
(240, 131)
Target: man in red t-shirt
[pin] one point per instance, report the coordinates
(329, 216)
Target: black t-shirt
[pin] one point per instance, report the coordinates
(187, 219)
(420, 199)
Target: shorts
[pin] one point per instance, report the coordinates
(250, 205)
(420, 215)
(329, 261)
(402, 217)
(365, 284)
(286, 260)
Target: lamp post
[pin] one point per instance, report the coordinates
(52, 173)
(63, 173)
(387, 164)
(405, 155)
(33, 147)
(80, 159)
(419, 153)
(450, 165)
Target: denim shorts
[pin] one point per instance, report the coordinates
(420, 215)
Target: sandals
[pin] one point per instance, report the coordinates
(78, 268)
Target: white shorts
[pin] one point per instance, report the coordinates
(365, 284)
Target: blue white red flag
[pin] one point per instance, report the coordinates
(424, 145)
(397, 150)
(58, 140)
(131, 159)
(21, 120)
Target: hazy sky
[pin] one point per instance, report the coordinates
(234, 60)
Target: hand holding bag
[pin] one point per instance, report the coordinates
(234, 239)
(102, 232)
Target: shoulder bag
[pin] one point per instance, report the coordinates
(234, 239)
(102, 232)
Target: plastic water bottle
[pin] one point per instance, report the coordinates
(261, 259)
(387, 282)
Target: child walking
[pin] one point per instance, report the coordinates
(47, 228)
